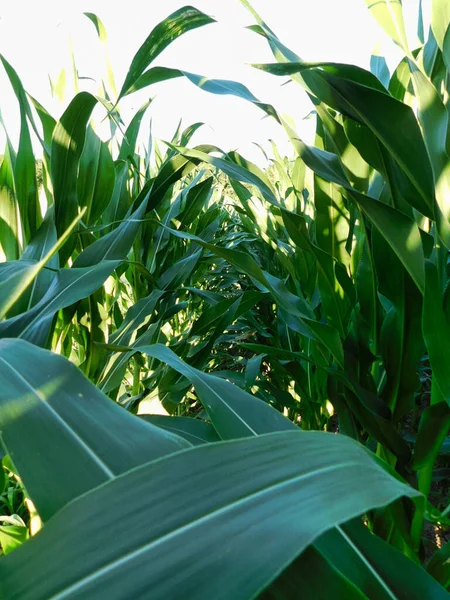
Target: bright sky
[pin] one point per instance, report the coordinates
(34, 39)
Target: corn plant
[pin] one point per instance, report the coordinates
(290, 324)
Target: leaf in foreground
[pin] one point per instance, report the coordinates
(200, 524)
(62, 433)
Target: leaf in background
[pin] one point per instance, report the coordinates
(21, 96)
(377, 110)
(103, 37)
(128, 146)
(24, 165)
(208, 499)
(48, 124)
(400, 231)
(39, 246)
(439, 565)
(9, 214)
(135, 317)
(181, 21)
(116, 244)
(436, 331)
(96, 176)
(195, 431)
(230, 409)
(51, 414)
(21, 278)
(233, 170)
(67, 145)
(196, 199)
(389, 15)
(379, 68)
(433, 429)
(69, 286)
(440, 20)
(434, 119)
(299, 314)
(25, 180)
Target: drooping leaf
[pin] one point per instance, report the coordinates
(181, 21)
(50, 414)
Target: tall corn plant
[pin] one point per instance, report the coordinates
(139, 275)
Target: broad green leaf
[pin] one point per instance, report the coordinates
(51, 414)
(152, 76)
(223, 507)
(181, 21)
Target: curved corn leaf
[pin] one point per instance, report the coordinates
(181, 21)
(219, 505)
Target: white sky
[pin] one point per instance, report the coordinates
(34, 39)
